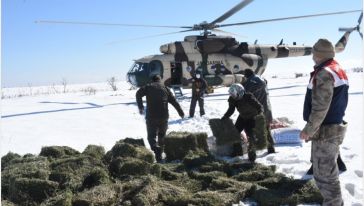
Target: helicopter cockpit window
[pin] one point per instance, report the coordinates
(156, 67)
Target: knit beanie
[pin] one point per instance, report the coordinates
(324, 49)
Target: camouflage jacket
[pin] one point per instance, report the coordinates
(158, 96)
(326, 97)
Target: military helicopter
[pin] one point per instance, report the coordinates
(220, 59)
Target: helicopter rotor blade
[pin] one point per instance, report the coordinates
(106, 24)
(231, 11)
(288, 18)
(360, 18)
(229, 33)
(150, 36)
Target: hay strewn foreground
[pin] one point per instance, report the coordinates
(128, 175)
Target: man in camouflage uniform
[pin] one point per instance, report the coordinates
(258, 87)
(324, 108)
(158, 96)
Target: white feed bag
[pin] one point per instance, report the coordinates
(286, 135)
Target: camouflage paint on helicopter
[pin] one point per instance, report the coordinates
(226, 59)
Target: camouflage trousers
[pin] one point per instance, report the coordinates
(325, 151)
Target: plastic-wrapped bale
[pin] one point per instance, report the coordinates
(95, 151)
(26, 190)
(132, 149)
(57, 151)
(260, 132)
(178, 144)
(102, 195)
(287, 135)
(224, 131)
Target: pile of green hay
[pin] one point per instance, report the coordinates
(128, 175)
(178, 144)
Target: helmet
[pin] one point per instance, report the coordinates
(236, 91)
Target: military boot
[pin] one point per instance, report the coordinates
(158, 154)
(271, 149)
(340, 164)
(251, 153)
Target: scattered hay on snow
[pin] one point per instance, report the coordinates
(127, 175)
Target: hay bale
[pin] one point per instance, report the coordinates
(282, 190)
(70, 172)
(197, 158)
(121, 167)
(23, 190)
(206, 178)
(256, 174)
(224, 131)
(63, 199)
(57, 151)
(95, 151)
(260, 132)
(178, 144)
(96, 177)
(102, 195)
(214, 198)
(5, 160)
(124, 150)
(135, 142)
(37, 167)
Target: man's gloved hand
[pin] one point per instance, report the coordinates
(224, 118)
(141, 111)
(181, 114)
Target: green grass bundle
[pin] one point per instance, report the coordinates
(224, 131)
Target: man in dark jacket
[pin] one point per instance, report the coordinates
(158, 96)
(248, 107)
(257, 86)
(199, 86)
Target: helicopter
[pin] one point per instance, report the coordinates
(221, 60)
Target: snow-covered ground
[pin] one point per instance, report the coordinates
(78, 118)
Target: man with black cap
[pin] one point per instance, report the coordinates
(158, 96)
(258, 87)
(324, 108)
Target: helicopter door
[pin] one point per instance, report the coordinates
(176, 73)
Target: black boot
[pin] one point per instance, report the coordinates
(237, 149)
(158, 154)
(341, 164)
(310, 171)
(252, 156)
(271, 149)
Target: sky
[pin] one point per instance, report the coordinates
(76, 120)
(45, 54)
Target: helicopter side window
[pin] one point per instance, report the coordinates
(156, 67)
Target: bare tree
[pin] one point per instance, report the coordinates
(30, 89)
(112, 83)
(64, 84)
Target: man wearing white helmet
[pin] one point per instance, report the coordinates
(248, 107)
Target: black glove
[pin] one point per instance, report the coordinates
(141, 111)
(181, 114)
(224, 118)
